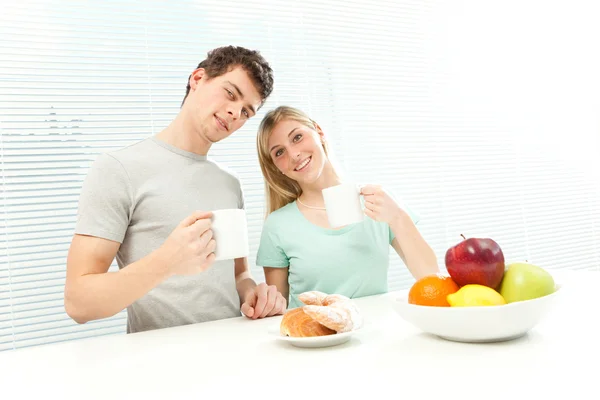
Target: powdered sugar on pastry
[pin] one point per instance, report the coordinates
(334, 311)
(314, 298)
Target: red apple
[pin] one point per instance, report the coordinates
(476, 261)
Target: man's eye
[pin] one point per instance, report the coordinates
(246, 113)
(229, 92)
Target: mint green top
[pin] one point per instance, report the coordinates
(352, 261)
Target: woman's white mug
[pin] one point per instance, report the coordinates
(343, 205)
(230, 231)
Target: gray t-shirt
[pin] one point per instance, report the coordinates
(136, 196)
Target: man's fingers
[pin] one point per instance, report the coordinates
(271, 300)
(280, 304)
(247, 310)
(261, 299)
(210, 258)
(193, 217)
(206, 237)
(201, 226)
(209, 248)
(284, 304)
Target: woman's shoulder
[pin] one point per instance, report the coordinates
(281, 216)
(370, 224)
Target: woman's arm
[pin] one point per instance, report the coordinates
(412, 248)
(408, 242)
(279, 278)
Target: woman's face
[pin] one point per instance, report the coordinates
(297, 151)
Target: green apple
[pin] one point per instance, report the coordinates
(525, 281)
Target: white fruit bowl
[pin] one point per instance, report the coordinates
(476, 324)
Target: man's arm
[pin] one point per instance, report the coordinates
(91, 292)
(243, 280)
(257, 301)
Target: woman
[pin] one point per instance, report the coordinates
(298, 249)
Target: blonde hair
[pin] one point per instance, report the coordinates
(279, 189)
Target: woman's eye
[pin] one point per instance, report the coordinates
(278, 153)
(297, 137)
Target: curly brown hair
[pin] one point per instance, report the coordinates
(221, 60)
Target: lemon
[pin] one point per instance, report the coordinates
(474, 296)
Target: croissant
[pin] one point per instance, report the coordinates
(297, 323)
(322, 315)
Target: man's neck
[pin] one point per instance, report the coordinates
(180, 133)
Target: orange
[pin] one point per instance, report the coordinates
(432, 290)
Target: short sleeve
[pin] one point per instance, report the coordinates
(105, 200)
(270, 252)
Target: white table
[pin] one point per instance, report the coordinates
(387, 359)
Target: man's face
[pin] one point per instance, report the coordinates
(221, 105)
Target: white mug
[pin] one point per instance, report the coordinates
(230, 231)
(342, 204)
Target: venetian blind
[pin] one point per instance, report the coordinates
(479, 123)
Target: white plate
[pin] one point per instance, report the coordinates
(476, 324)
(312, 342)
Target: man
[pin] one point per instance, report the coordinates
(148, 205)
